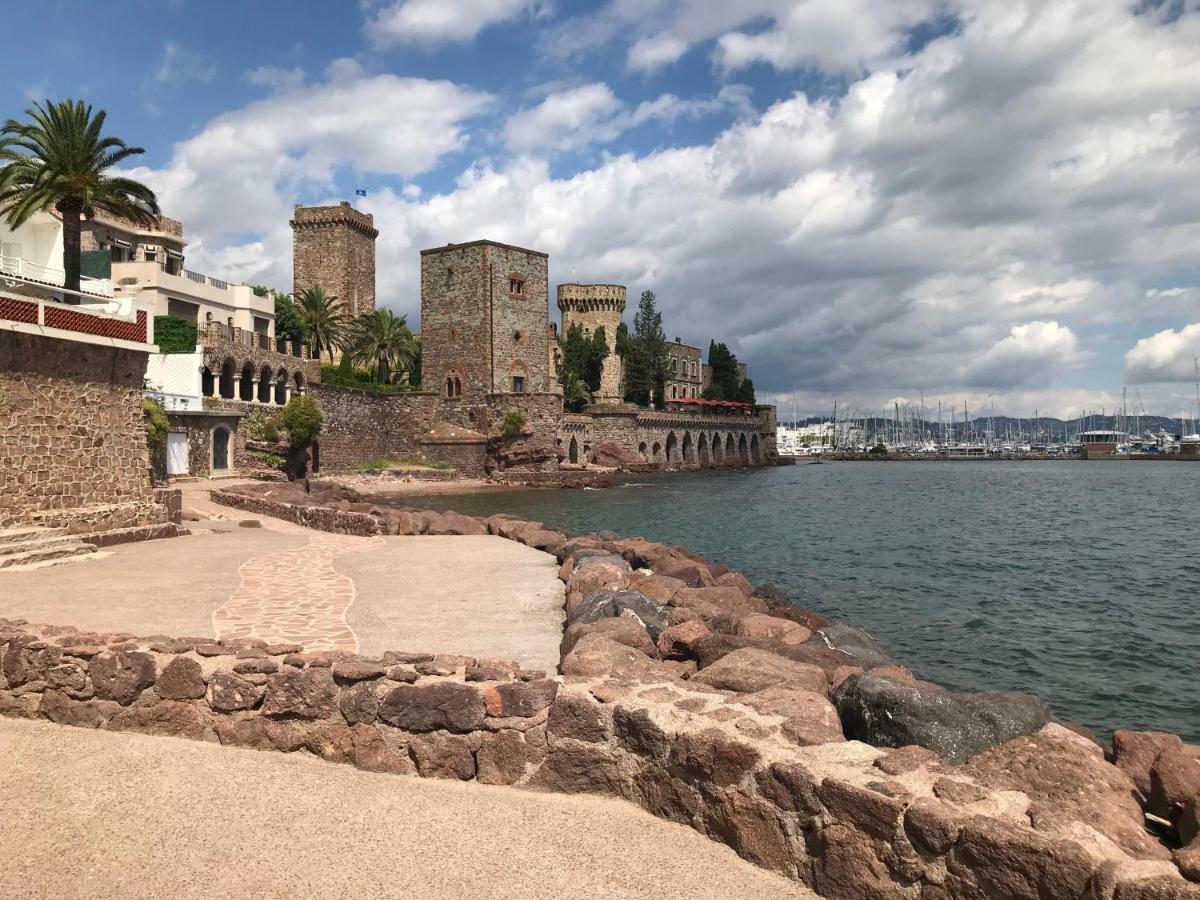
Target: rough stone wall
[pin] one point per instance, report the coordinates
(593, 306)
(468, 458)
(199, 430)
(333, 247)
(72, 437)
(218, 350)
(682, 362)
(677, 435)
(361, 426)
(474, 328)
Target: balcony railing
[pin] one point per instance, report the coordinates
(23, 268)
(253, 339)
(206, 279)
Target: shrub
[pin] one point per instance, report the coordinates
(357, 378)
(514, 424)
(156, 423)
(263, 428)
(270, 460)
(303, 419)
(174, 334)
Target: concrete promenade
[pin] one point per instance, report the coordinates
(100, 814)
(474, 595)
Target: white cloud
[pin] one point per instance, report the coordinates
(1165, 357)
(276, 78)
(1026, 356)
(434, 22)
(179, 64)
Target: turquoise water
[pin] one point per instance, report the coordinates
(1076, 581)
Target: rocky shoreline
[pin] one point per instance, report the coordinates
(687, 690)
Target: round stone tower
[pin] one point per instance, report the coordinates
(593, 306)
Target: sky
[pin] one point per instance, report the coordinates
(994, 202)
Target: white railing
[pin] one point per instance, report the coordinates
(16, 265)
(206, 279)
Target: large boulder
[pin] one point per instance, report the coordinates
(810, 718)
(764, 627)
(595, 656)
(1135, 751)
(750, 669)
(625, 630)
(1067, 782)
(611, 604)
(887, 713)
(858, 647)
(716, 602)
(1174, 780)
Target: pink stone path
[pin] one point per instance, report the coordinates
(295, 596)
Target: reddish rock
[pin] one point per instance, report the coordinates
(1188, 860)
(544, 539)
(306, 694)
(713, 602)
(749, 670)
(432, 707)
(812, 621)
(791, 787)
(333, 742)
(254, 667)
(810, 718)
(622, 629)
(260, 734)
(228, 692)
(614, 456)
(359, 704)
(171, 717)
(932, 826)
(122, 675)
(958, 792)
(71, 678)
(658, 588)
(841, 673)
(1067, 783)
(598, 577)
(572, 767)
(58, 707)
(711, 757)
(578, 717)
(638, 733)
(656, 791)
(994, 858)
(676, 640)
(357, 669)
(1188, 824)
(442, 755)
(712, 647)
(506, 757)
(846, 864)
(519, 698)
(639, 552)
(1174, 780)
(595, 656)
(485, 673)
(735, 580)
(906, 759)
(753, 829)
(402, 673)
(763, 627)
(373, 753)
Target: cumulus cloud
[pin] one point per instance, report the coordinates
(433, 22)
(276, 78)
(179, 64)
(1026, 355)
(1164, 357)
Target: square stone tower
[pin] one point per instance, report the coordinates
(484, 311)
(333, 247)
(593, 306)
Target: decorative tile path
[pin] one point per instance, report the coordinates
(295, 596)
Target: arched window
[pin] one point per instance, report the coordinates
(298, 381)
(264, 385)
(281, 382)
(227, 379)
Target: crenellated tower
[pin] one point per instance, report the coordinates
(593, 306)
(333, 247)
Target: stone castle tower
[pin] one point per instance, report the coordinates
(333, 247)
(595, 306)
(484, 310)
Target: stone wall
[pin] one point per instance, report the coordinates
(361, 426)
(335, 521)
(72, 437)
(199, 427)
(593, 306)
(333, 247)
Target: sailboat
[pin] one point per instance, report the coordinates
(1189, 444)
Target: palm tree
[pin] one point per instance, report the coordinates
(325, 320)
(575, 393)
(58, 160)
(382, 340)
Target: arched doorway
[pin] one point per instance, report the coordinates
(743, 451)
(702, 452)
(227, 379)
(207, 382)
(672, 449)
(642, 449)
(298, 381)
(220, 449)
(755, 452)
(246, 388)
(264, 385)
(281, 382)
(689, 450)
(718, 457)
(657, 454)
(730, 454)
(573, 452)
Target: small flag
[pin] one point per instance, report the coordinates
(361, 192)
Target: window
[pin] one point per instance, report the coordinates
(519, 336)
(515, 286)
(150, 253)
(518, 384)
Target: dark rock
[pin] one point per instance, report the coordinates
(69, 677)
(885, 713)
(579, 717)
(359, 704)
(519, 698)
(791, 787)
(229, 692)
(506, 757)
(441, 755)
(181, 679)
(303, 694)
(625, 630)
(750, 669)
(994, 858)
(753, 829)
(357, 670)
(572, 767)
(249, 523)
(261, 734)
(862, 649)
(254, 667)
(441, 706)
(374, 753)
(402, 673)
(333, 742)
(711, 757)
(638, 733)
(708, 649)
(58, 707)
(772, 596)
(801, 616)
(122, 675)
(171, 717)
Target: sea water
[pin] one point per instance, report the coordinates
(1076, 581)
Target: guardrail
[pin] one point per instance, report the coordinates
(23, 268)
(206, 279)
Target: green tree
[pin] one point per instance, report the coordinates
(576, 394)
(382, 341)
(583, 357)
(288, 323)
(646, 355)
(723, 366)
(745, 392)
(303, 419)
(414, 371)
(59, 159)
(325, 320)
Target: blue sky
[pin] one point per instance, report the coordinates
(871, 200)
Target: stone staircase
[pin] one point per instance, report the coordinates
(33, 548)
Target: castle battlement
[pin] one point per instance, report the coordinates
(591, 297)
(342, 214)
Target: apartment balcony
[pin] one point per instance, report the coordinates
(49, 275)
(30, 306)
(213, 333)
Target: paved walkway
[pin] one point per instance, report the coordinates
(97, 814)
(475, 595)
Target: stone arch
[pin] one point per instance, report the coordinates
(730, 453)
(743, 457)
(298, 383)
(755, 451)
(221, 454)
(208, 387)
(226, 383)
(573, 451)
(642, 449)
(689, 449)
(718, 453)
(246, 382)
(281, 386)
(656, 453)
(264, 385)
(702, 457)
(453, 385)
(672, 449)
